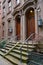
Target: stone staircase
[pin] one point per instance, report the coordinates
(7, 48)
(22, 54)
(19, 54)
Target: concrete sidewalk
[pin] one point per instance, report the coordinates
(4, 61)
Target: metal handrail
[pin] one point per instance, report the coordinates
(27, 45)
(36, 53)
(38, 37)
(26, 41)
(13, 46)
(29, 37)
(14, 37)
(4, 39)
(37, 56)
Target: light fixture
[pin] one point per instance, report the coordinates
(31, 11)
(39, 9)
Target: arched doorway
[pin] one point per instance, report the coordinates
(18, 26)
(30, 22)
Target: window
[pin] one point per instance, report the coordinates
(4, 10)
(9, 24)
(9, 5)
(39, 12)
(3, 33)
(3, 23)
(0, 5)
(17, 1)
(9, 28)
(3, 1)
(0, 2)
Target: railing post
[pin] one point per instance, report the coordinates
(21, 54)
(27, 46)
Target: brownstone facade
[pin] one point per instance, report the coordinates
(21, 17)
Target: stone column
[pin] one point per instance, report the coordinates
(14, 28)
(36, 22)
(23, 27)
(6, 29)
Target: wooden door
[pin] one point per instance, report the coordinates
(30, 24)
(18, 29)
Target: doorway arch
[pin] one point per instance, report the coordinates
(30, 21)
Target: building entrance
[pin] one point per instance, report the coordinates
(30, 22)
(18, 27)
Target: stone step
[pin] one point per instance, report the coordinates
(6, 48)
(17, 48)
(25, 46)
(29, 46)
(29, 49)
(18, 56)
(4, 61)
(32, 42)
(14, 60)
(1, 53)
(19, 45)
(10, 43)
(18, 51)
(9, 46)
(24, 49)
(3, 50)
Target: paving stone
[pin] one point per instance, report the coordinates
(3, 61)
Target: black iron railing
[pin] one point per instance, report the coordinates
(34, 37)
(25, 42)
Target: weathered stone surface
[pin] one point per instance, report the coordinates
(4, 61)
